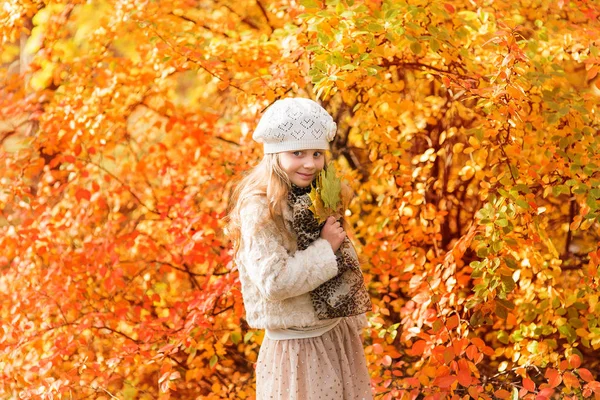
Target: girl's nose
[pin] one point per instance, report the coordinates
(309, 164)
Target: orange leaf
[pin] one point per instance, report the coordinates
(528, 384)
(413, 382)
(445, 381)
(464, 374)
(170, 124)
(474, 392)
(571, 380)
(82, 194)
(472, 352)
(377, 348)
(574, 360)
(554, 378)
(452, 322)
(592, 72)
(417, 348)
(585, 374)
(563, 365)
(449, 7)
(459, 346)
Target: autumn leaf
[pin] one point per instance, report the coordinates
(585, 374)
(445, 381)
(554, 377)
(528, 384)
(329, 196)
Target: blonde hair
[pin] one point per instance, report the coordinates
(265, 179)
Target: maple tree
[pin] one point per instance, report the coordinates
(468, 130)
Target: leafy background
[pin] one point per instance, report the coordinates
(469, 131)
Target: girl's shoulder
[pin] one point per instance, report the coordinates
(254, 200)
(254, 207)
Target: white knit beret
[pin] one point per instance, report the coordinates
(295, 124)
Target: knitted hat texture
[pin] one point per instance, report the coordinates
(292, 124)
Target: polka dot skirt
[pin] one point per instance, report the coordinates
(328, 367)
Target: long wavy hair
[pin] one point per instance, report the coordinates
(265, 179)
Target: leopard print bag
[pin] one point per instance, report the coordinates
(345, 294)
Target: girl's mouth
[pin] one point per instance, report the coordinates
(305, 176)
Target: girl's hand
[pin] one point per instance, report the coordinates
(333, 232)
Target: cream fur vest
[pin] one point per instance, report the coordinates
(276, 279)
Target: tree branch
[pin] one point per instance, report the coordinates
(135, 196)
(243, 19)
(208, 28)
(126, 336)
(572, 211)
(264, 13)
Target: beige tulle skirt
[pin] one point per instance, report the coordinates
(328, 367)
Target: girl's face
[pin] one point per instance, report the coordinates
(301, 166)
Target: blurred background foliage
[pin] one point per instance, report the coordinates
(469, 131)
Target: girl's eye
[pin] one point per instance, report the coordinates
(317, 154)
(298, 153)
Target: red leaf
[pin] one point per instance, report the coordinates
(82, 194)
(460, 346)
(554, 378)
(417, 348)
(464, 374)
(544, 394)
(563, 365)
(445, 381)
(585, 374)
(502, 394)
(449, 7)
(488, 351)
(472, 352)
(529, 384)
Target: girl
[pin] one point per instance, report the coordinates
(304, 355)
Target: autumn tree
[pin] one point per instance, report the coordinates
(469, 131)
